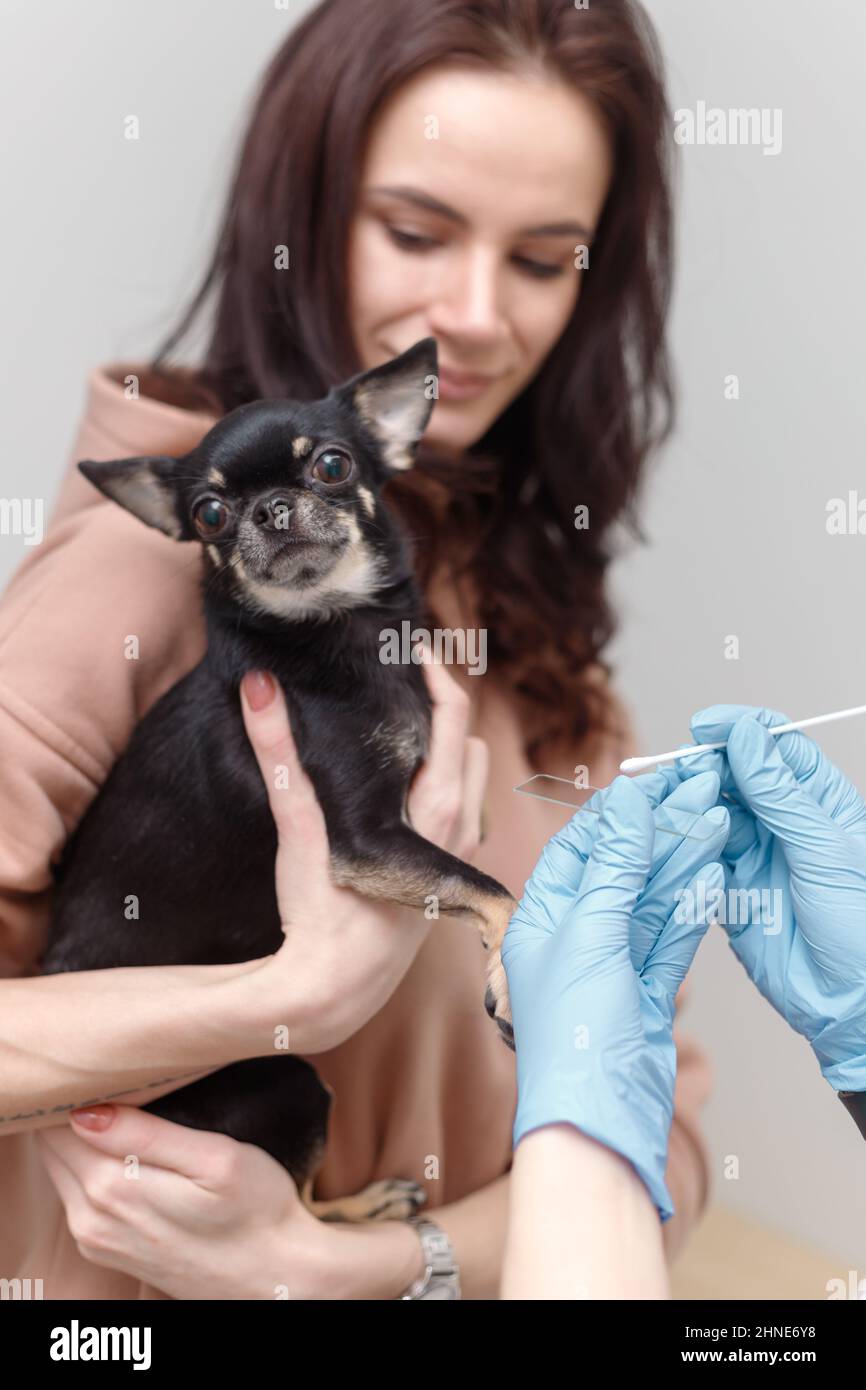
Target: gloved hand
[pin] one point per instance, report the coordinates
(594, 957)
(798, 842)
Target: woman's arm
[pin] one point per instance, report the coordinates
(134, 1034)
(582, 1223)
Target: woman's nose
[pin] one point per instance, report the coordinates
(469, 304)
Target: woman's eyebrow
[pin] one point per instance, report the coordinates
(431, 204)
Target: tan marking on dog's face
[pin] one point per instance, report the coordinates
(368, 503)
(216, 478)
(215, 556)
(301, 446)
(349, 523)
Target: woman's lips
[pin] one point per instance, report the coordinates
(454, 385)
(461, 386)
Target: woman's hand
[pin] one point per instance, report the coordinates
(447, 793)
(595, 954)
(196, 1214)
(344, 954)
(200, 1216)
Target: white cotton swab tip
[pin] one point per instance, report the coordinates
(636, 764)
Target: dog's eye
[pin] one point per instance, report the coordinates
(333, 466)
(210, 517)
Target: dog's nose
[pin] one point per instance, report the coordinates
(273, 513)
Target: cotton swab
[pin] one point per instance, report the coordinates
(635, 764)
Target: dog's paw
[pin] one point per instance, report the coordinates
(394, 1199)
(497, 1001)
(389, 1199)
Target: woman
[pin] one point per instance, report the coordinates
(411, 168)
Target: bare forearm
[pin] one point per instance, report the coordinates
(476, 1227)
(133, 1034)
(581, 1223)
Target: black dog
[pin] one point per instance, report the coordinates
(303, 568)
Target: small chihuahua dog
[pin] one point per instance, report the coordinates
(303, 566)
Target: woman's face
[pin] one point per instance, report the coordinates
(476, 189)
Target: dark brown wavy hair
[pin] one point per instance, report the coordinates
(502, 521)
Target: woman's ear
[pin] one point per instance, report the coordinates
(146, 486)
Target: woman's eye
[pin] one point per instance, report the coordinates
(210, 517)
(540, 269)
(333, 466)
(411, 241)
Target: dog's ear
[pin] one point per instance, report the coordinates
(147, 487)
(395, 401)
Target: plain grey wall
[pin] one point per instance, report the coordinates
(103, 237)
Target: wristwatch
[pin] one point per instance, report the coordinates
(855, 1103)
(441, 1279)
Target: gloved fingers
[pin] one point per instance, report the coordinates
(551, 886)
(744, 828)
(658, 784)
(688, 799)
(616, 871)
(745, 834)
(664, 791)
(550, 890)
(578, 835)
(713, 725)
(564, 857)
(700, 763)
(696, 795)
(559, 869)
(665, 888)
(671, 958)
(809, 764)
(770, 790)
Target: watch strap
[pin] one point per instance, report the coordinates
(441, 1278)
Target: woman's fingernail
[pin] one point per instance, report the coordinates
(259, 689)
(98, 1118)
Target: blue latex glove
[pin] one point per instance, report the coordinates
(594, 957)
(798, 832)
(556, 876)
